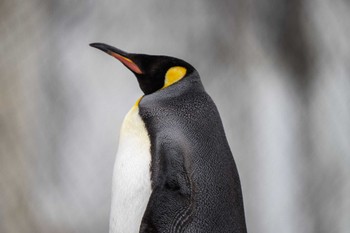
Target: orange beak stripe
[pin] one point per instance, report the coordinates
(126, 61)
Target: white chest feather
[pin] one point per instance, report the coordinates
(131, 178)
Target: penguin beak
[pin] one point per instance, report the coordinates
(122, 56)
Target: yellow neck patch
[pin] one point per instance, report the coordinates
(136, 105)
(173, 75)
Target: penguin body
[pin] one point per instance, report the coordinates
(174, 170)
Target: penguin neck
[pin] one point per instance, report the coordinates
(191, 83)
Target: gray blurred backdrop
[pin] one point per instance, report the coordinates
(278, 70)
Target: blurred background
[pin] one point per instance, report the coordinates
(278, 70)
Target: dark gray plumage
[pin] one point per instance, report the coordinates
(196, 187)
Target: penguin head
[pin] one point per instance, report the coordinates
(152, 72)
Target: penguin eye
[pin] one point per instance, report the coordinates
(173, 75)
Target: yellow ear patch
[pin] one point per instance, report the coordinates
(173, 75)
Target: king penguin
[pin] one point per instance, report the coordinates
(174, 171)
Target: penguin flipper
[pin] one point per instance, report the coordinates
(171, 202)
